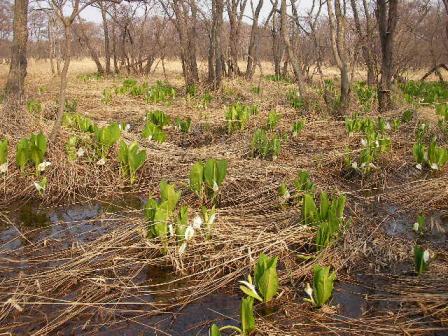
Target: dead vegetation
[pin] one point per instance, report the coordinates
(117, 279)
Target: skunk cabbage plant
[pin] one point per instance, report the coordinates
(323, 283)
(131, 158)
(106, 137)
(206, 178)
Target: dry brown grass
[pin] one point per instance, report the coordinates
(102, 282)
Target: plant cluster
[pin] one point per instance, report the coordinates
(425, 92)
(302, 184)
(131, 159)
(153, 132)
(184, 125)
(34, 106)
(265, 145)
(421, 259)
(161, 92)
(106, 137)
(131, 87)
(159, 212)
(328, 217)
(106, 96)
(278, 78)
(431, 156)
(273, 120)
(297, 127)
(78, 122)
(70, 105)
(238, 115)
(263, 288)
(167, 221)
(375, 141)
(366, 95)
(3, 156)
(323, 283)
(206, 178)
(32, 150)
(295, 100)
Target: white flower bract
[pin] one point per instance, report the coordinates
(101, 162)
(42, 166)
(4, 168)
(197, 222)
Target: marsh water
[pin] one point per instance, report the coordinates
(32, 225)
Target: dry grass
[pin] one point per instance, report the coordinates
(51, 285)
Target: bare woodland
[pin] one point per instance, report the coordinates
(223, 167)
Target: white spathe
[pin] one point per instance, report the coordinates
(415, 227)
(4, 168)
(189, 233)
(197, 222)
(426, 256)
(101, 162)
(309, 291)
(80, 152)
(42, 166)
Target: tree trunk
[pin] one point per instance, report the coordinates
(63, 80)
(387, 17)
(92, 51)
(114, 50)
(106, 37)
(215, 49)
(252, 52)
(337, 23)
(365, 39)
(293, 60)
(51, 46)
(14, 88)
(235, 11)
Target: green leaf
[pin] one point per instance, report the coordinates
(181, 224)
(247, 316)
(70, 147)
(3, 151)
(221, 166)
(196, 178)
(266, 279)
(22, 153)
(161, 217)
(214, 330)
(309, 210)
(322, 285)
(169, 195)
(136, 159)
(250, 293)
(324, 206)
(107, 137)
(123, 156)
(421, 265)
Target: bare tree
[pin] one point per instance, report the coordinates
(337, 22)
(14, 88)
(252, 52)
(80, 31)
(387, 18)
(235, 11)
(67, 22)
(278, 46)
(366, 39)
(102, 6)
(292, 57)
(185, 21)
(216, 60)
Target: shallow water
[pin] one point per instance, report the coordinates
(400, 225)
(81, 223)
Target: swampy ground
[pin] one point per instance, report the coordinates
(77, 261)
